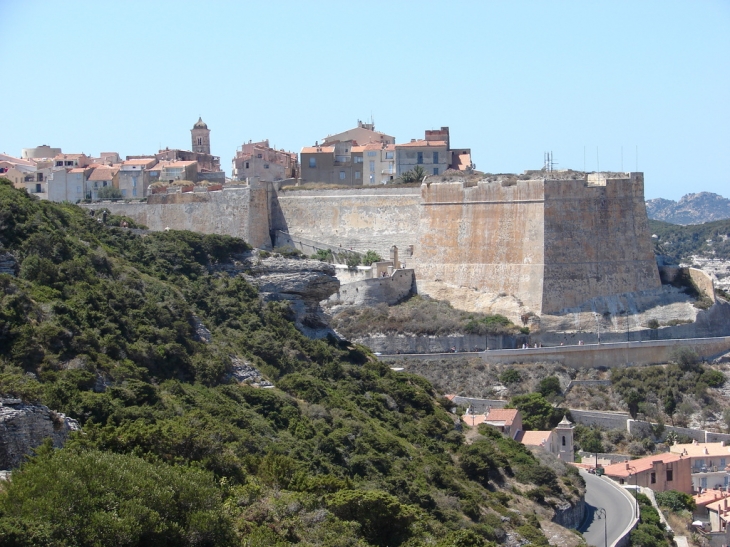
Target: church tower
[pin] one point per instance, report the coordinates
(201, 137)
(564, 430)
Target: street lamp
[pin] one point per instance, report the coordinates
(601, 512)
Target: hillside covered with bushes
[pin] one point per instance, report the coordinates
(104, 325)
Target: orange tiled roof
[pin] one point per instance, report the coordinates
(68, 156)
(103, 173)
(701, 450)
(722, 507)
(175, 164)
(318, 149)
(138, 161)
(461, 161)
(640, 465)
(421, 142)
(473, 419)
(506, 415)
(709, 496)
(533, 438)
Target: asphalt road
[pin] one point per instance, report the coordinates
(619, 511)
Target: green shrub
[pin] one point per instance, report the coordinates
(370, 257)
(510, 376)
(675, 501)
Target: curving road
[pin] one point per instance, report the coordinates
(620, 508)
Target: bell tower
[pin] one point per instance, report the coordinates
(201, 137)
(564, 431)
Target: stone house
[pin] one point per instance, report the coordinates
(661, 472)
(379, 163)
(71, 160)
(710, 463)
(134, 177)
(433, 154)
(102, 176)
(340, 163)
(363, 134)
(258, 159)
(178, 170)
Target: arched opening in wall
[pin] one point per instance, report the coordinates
(563, 440)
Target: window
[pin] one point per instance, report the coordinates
(259, 156)
(435, 170)
(372, 153)
(358, 159)
(670, 475)
(389, 155)
(200, 141)
(266, 166)
(357, 174)
(134, 192)
(653, 478)
(59, 164)
(313, 162)
(40, 177)
(420, 157)
(703, 482)
(246, 165)
(722, 463)
(342, 175)
(124, 193)
(372, 165)
(563, 440)
(69, 163)
(435, 157)
(78, 189)
(134, 182)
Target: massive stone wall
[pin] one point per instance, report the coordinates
(239, 212)
(363, 219)
(596, 241)
(487, 237)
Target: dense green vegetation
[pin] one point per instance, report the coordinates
(419, 315)
(658, 391)
(101, 324)
(650, 532)
(675, 501)
(683, 242)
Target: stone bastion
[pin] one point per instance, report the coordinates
(538, 243)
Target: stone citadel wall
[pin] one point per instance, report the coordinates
(488, 237)
(551, 244)
(596, 241)
(363, 219)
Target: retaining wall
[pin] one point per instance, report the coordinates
(436, 345)
(373, 291)
(362, 219)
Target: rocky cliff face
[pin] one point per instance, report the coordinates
(691, 209)
(24, 426)
(303, 283)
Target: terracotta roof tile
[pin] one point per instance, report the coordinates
(473, 419)
(699, 450)
(506, 415)
(533, 438)
(709, 496)
(640, 465)
(421, 143)
(318, 149)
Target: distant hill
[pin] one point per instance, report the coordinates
(710, 240)
(691, 209)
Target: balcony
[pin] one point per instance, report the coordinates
(709, 469)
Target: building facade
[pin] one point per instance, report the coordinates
(710, 463)
(134, 177)
(661, 472)
(258, 159)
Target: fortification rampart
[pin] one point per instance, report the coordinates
(488, 237)
(596, 241)
(547, 244)
(363, 219)
(239, 212)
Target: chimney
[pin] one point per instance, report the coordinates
(627, 466)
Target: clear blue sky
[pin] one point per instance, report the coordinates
(511, 79)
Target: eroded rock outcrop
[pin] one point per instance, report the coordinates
(24, 426)
(303, 283)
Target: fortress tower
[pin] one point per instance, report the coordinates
(201, 137)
